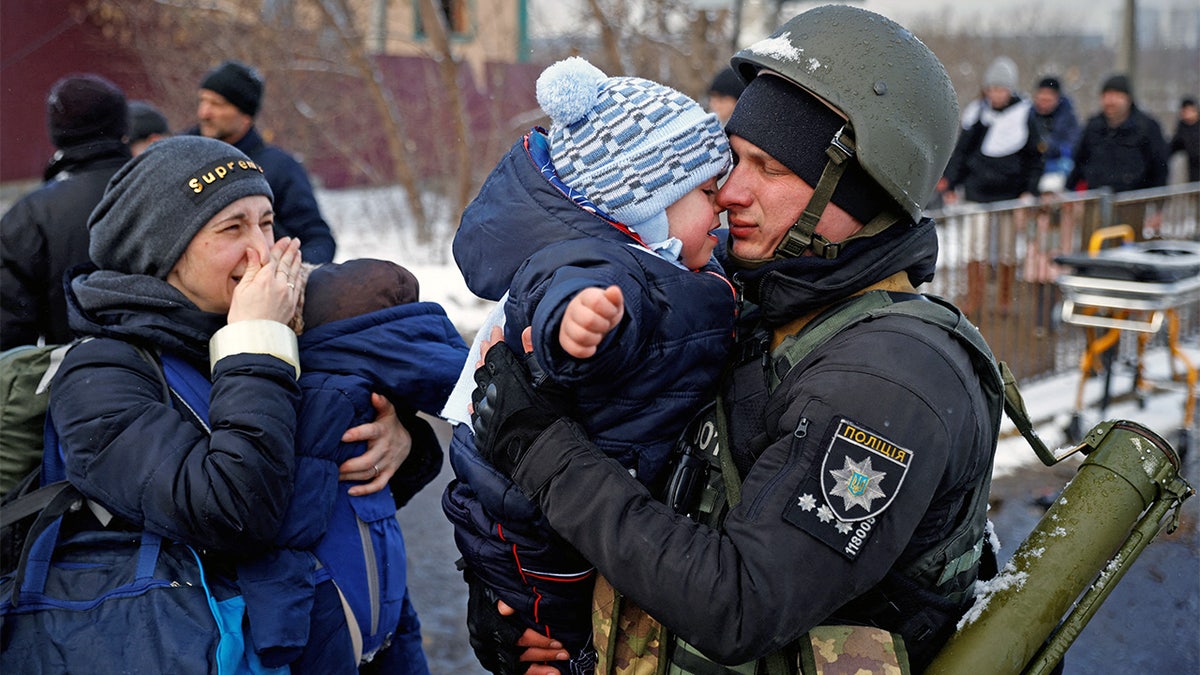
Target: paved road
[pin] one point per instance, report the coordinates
(1150, 624)
(436, 587)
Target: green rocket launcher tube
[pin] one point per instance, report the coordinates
(1117, 502)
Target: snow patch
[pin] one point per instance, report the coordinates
(1008, 578)
(778, 48)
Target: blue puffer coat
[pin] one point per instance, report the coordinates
(411, 354)
(529, 235)
(524, 235)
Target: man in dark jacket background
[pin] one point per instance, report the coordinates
(230, 97)
(1121, 147)
(1187, 137)
(1053, 116)
(45, 233)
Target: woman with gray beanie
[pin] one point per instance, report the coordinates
(186, 269)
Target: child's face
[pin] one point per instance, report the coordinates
(692, 221)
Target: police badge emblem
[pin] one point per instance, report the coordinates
(861, 473)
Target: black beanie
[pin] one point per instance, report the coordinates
(240, 84)
(356, 287)
(1049, 82)
(727, 83)
(145, 120)
(1117, 83)
(795, 128)
(83, 108)
(156, 203)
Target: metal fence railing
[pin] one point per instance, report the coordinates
(997, 263)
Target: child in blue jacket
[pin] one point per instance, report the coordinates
(363, 331)
(599, 236)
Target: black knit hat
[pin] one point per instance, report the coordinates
(727, 83)
(794, 127)
(240, 84)
(1117, 83)
(360, 286)
(1049, 82)
(156, 203)
(145, 120)
(83, 108)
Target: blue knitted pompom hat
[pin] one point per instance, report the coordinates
(633, 146)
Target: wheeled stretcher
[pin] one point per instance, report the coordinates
(1135, 287)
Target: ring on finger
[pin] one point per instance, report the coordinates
(291, 285)
(376, 467)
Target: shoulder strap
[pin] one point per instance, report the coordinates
(188, 386)
(874, 304)
(54, 466)
(794, 348)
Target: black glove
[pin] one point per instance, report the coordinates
(509, 412)
(493, 636)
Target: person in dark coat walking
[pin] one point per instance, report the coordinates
(1121, 148)
(1187, 137)
(230, 97)
(45, 233)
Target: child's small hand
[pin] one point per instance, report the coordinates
(590, 315)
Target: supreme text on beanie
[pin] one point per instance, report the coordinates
(632, 146)
(795, 127)
(240, 84)
(158, 201)
(85, 107)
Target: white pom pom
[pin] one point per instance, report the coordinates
(568, 89)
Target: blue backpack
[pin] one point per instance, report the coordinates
(123, 600)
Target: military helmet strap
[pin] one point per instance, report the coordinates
(802, 235)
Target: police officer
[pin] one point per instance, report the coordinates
(851, 446)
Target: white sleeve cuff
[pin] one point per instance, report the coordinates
(256, 336)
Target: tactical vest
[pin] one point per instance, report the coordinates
(707, 482)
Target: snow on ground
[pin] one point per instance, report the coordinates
(1051, 403)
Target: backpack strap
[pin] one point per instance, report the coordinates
(188, 386)
(179, 382)
(50, 503)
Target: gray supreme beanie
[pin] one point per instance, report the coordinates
(158, 201)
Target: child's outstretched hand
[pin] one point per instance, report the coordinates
(590, 315)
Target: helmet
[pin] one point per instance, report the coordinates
(897, 96)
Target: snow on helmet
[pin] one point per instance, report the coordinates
(896, 94)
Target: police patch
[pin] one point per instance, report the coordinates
(860, 474)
